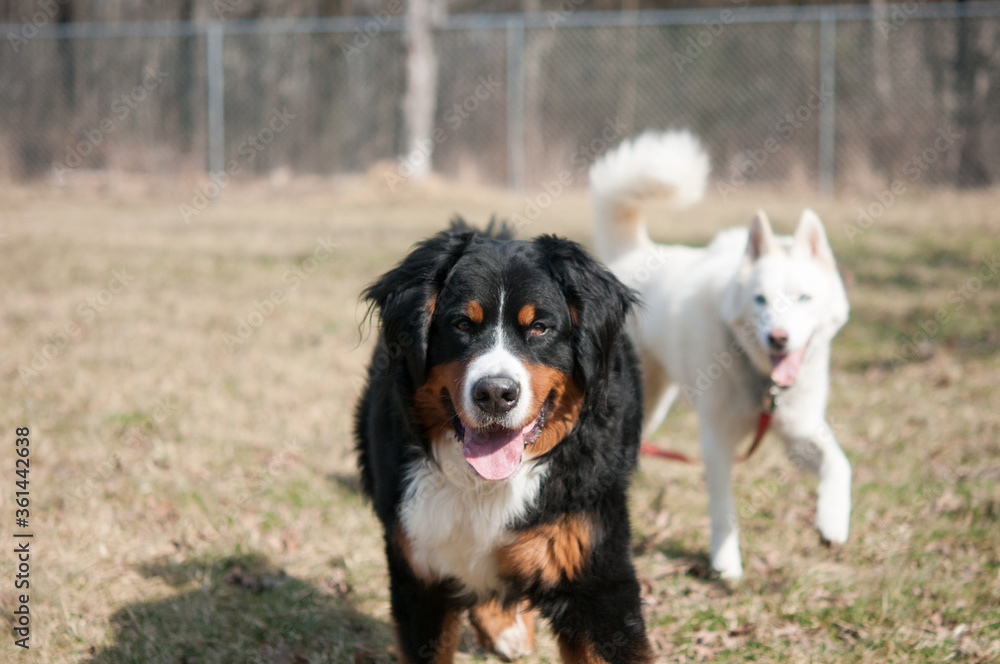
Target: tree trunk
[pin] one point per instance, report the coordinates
(630, 46)
(538, 43)
(186, 83)
(64, 14)
(421, 87)
(885, 131)
(971, 172)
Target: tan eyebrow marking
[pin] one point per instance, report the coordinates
(474, 311)
(526, 315)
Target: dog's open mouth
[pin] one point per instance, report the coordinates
(494, 451)
(785, 366)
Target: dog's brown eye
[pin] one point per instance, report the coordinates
(463, 324)
(539, 328)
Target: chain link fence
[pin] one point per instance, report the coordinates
(843, 98)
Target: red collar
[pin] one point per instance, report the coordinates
(764, 419)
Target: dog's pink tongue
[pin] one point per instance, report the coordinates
(785, 368)
(494, 454)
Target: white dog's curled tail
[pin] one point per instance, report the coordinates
(669, 165)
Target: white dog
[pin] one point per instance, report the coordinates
(742, 328)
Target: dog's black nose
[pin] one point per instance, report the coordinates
(778, 339)
(496, 394)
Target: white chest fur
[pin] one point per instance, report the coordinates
(456, 521)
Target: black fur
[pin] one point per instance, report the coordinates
(589, 470)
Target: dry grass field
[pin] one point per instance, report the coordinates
(189, 387)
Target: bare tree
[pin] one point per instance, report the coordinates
(885, 139)
(421, 84)
(630, 46)
(969, 61)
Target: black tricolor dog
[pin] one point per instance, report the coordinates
(497, 436)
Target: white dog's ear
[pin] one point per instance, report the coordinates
(811, 237)
(760, 241)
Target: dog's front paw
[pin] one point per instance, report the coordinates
(506, 631)
(514, 641)
(726, 553)
(833, 515)
(730, 573)
(832, 526)
(728, 564)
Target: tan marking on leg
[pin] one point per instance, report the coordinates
(579, 653)
(400, 653)
(526, 316)
(444, 645)
(490, 619)
(585, 652)
(548, 553)
(451, 634)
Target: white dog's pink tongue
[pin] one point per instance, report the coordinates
(784, 368)
(494, 453)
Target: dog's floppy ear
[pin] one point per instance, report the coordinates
(760, 239)
(406, 295)
(599, 304)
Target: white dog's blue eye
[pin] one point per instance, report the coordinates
(805, 297)
(760, 299)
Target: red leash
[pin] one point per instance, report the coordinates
(653, 450)
(763, 424)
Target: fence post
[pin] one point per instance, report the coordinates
(515, 103)
(216, 120)
(827, 112)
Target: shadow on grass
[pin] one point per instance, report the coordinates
(690, 563)
(243, 609)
